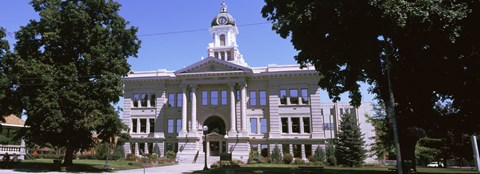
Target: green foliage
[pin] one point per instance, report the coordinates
(350, 149)
(87, 156)
(68, 67)
(287, 158)
(298, 161)
(253, 157)
(276, 155)
(383, 140)
(319, 154)
(428, 150)
(433, 46)
(330, 153)
(119, 153)
(171, 155)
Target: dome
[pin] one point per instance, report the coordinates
(223, 18)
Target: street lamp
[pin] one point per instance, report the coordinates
(205, 130)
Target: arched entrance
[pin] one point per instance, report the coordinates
(216, 131)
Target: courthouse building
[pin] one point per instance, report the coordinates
(245, 108)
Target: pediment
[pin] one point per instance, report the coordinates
(212, 65)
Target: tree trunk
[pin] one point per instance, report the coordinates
(68, 159)
(408, 144)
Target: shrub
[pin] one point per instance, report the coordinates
(118, 153)
(287, 158)
(312, 159)
(319, 154)
(253, 157)
(171, 155)
(276, 155)
(298, 161)
(87, 156)
(132, 157)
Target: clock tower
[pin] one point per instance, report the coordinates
(224, 33)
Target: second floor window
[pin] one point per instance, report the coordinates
(263, 98)
(134, 125)
(284, 125)
(224, 97)
(295, 125)
(179, 99)
(283, 96)
(171, 100)
(263, 125)
(152, 125)
(214, 97)
(204, 98)
(253, 98)
(253, 125)
(143, 125)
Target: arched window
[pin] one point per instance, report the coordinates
(222, 40)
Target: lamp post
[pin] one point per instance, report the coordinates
(226, 143)
(205, 130)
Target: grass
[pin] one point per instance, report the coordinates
(92, 166)
(287, 169)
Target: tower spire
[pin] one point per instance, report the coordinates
(223, 7)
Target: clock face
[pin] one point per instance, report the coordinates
(222, 20)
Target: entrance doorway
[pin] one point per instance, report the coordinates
(215, 135)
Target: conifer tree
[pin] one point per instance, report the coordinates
(330, 153)
(350, 150)
(319, 154)
(276, 155)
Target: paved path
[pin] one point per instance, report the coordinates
(174, 169)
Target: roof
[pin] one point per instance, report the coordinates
(12, 121)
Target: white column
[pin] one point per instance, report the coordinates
(145, 148)
(243, 106)
(136, 149)
(184, 109)
(194, 109)
(232, 110)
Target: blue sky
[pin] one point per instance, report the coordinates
(175, 34)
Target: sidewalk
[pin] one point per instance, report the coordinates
(174, 169)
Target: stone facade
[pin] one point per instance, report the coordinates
(245, 108)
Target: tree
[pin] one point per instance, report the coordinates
(330, 153)
(433, 46)
(68, 69)
(276, 155)
(383, 140)
(349, 149)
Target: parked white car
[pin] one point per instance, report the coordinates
(435, 164)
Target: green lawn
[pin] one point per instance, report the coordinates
(93, 166)
(287, 169)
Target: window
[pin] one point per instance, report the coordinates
(293, 96)
(222, 55)
(308, 150)
(286, 148)
(306, 124)
(152, 125)
(224, 97)
(222, 40)
(321, 111)
(253, 125)
(265, 151)
(135, 100)
(341, 111)
(263, 98)
(237, 95)
(150, 148)
(253, 98)
(352, 111)
(254, 147)
(144, 100)
(327, 126)
(141, 148)
(214, 97)
(143, 125)
(204, 98)
(134, 125)
(170, 126)
(216, 54)
(153, 100)
(179, 99)
(332, 111)
(284, 125)
(295, 125)
(229, 55)
(297, 151)
(283, 96)
(171, 100)
(179, 125)
(173, 147)
(263, 125)
(304, 96)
